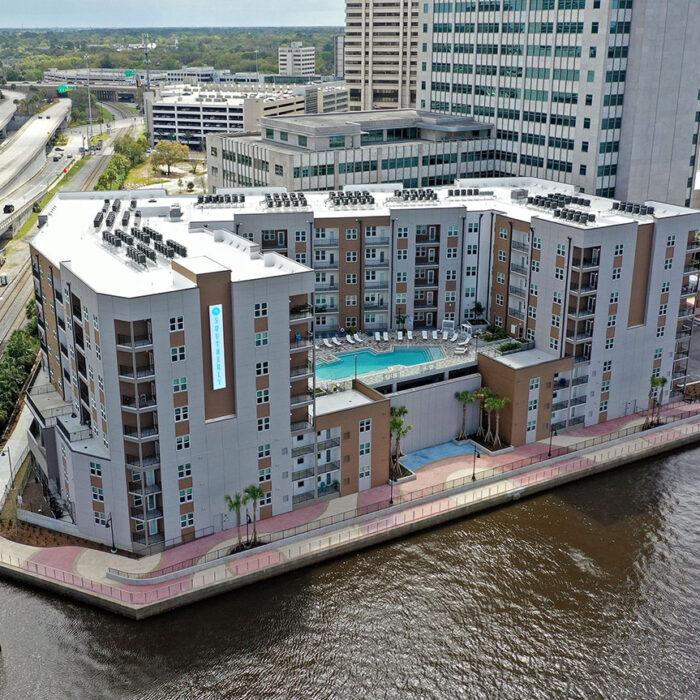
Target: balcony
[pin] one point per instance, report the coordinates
(35, 271)
(579, 380)
(301, 427)
(578, 401)
(302, 497)
(581, 359)
(140, 488)
(328, 467)
(302, 474)
(523, 247)
(377, 240)
(300, 372)
(376, 306)
(377, 284)
(301, 315)
(300, 344)
(586, 335)
(585, 264)
(329, 443)
(423, 284)
(686, 312)
(426, 262)
(560, 405)
(133, 433)
(518, 291)
(690, 270)
(576, 421)
(145, 462)
(328, 490)
(689, 290)
(61, 323)
(143, 372)
(325, 242)
(516, 314)
(138, 403)
(325, 265)
(375, 262)
(138, 513)
(139, 341)
(140, 538)
(693, 244)
(680, 375)
(303, 450)
(427, 239)
(518, 269)
(423, 304)
(581, 313)
(587, 289)
(300, 399)
(326, 286)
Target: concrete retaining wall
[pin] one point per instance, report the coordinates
(45, 521)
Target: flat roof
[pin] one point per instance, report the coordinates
(193, 95)
(341, 400)
(69, 238)
(526, 358)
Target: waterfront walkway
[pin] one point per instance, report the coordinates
(441, 491)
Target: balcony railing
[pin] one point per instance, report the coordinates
(421, 284)
(138, 513)
(326, 490)
(328, 467)
(325, 265)
(325, 242)
(524, 247)
(581, 313)
(326, 286)
(301, 497)
(302, 450)
(516, 314)
(518, 291)
(301, 426)
(583, 290)
(518, 269)
(140, 488)
(300, 344)
(297, 372)
(133, 432)
(297, 399)
(377, 240)
(138, 341)
(140, 402)
(377, 284)
(376, 306)
(577, 401)
(150, 461)
(302, 474)
(585, 264)
(139, 373)
(374, 262)
(329, 443)
(579, 380)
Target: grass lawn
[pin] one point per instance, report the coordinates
(142, 175)
(97, 137)
(33, 218)
(62, 140)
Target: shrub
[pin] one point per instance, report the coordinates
(507, 347)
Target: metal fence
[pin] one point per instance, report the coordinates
(409, 497)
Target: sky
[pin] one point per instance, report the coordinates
(171, 13)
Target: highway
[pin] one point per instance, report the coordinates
(8, 107)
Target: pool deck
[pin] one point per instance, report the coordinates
(442, 491)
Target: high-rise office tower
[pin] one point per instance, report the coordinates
(297, 59)
(602, 94)
(339, 56)
(381, 53)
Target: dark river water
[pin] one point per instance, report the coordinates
(590, 591)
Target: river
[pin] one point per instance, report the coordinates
(589, 591)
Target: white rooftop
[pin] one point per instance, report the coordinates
(188, 95)
(526, 358)
(69, 238)
(340, 401)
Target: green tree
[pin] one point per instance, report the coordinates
(478, 309)
(235, 504)
(131, 148)
(465, 398)
(490, 406)
(254, 494)
(168, 153)
(483, 394)
(660, 384)
(399, 429)
(498, 403)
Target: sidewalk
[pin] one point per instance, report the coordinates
(87, 569)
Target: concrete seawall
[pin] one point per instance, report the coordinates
(141, 611)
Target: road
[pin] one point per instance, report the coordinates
(8, 107)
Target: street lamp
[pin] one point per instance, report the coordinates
(111, 528)
(477, 455)
(247, 522)
(9, 461)
(552, 433)
(391, 492)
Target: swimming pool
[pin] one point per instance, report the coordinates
(370, 361)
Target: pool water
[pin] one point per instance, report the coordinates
(370, 361)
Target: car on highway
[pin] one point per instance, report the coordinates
(8, 209)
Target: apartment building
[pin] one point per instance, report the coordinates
(339, 56)
(601, 94)
(177, 358)
(297, 59)
(330, 151)
(381, 47)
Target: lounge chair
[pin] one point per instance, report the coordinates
(409, 335)
(466, 341)
(318, 347)
(435, 335)
(349, 339)
(454, 337)
(385, 337)
(425, 335)
(358, 338)
(444, 335)
(377, 336)
(327, 343)
(461, 350)
(335, 340)
(399, 335)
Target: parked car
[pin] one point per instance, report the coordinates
(8, 209)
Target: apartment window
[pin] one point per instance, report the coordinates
(365, 425)
(401, 276)
(95, 469)
(499, 299)
(350, 321)
(670, 241)
(179, 384)
(603, 406)
(266, 500)
(177, 323)
(534, 290)
(532, 405)
(616, 273)
(531, 425)
(402, 232)
(536, 243)
(262, 368)
(284, 136)
(556, 321)
(451, 275)
(100, 518)
(665, 287)
(182, 413)
(401, 297)
(502, 257)
(605, 386)
(561, 249)
(534, 383)
(614, 297)
(619, 248)
(260, 310)
(263, 424)
(668, 263)
(262, 396)
(501, 277)
(657, 353)
(351, 256)
(261, 339)
(351, 278)
(185, 495)
(554, 343)
(264, 475)
(365, 448)
(498, 320)
(214, 151)
(402, 255)
(177, 353)
(656, 372)
(450, 296)
(336, 141)
(184, 470)
(663, 309)
(535, 265)
(559, 273)
(263, 450)
(98, 494)
(365, 471)
(451, 253)
(503, 233)
(186, 520)
(609, 343)
(351, 234)
(183, 442)
(660, 331)
(532, 311)
(300, 236)
(607, 366)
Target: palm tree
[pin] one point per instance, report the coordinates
(236, 503)
(499, 403)
(399, 429)
(483, 395)
(254, 493)
(465, 398)
(660, 383)
(490, 405)
(653, 383)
